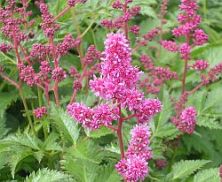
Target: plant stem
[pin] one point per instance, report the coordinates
(26, 110)
(126, 23)
(56, 92)
(62, 13)
(9, 80)
(119, 133)
(185, 68)
(39, 96)
(184, 76)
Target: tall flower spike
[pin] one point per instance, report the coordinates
(117, 73)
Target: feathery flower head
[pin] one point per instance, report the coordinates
(102, 115)
(117, 73)
(139, 142)
(148, 109)
(132, 169)
(187, 120)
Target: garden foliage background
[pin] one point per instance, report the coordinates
(70, 153)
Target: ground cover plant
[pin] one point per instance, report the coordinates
(110, 90)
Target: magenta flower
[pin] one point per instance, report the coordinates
(187, 120)
(139, 143)
(133, 169)
(40, 112)
(134, 166)
(170, 45)
(200, 65)
(103, 115)
(185, 50)
(200, 37)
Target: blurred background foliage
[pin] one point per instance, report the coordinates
(71, 154)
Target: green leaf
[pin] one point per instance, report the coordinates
(43, 175)
(108, 174)
(6, 100)
(65, 124)
(50, 143)
(18, 157)
(209, 122)
(82, 160)
(164, 128)
(103, 131)
(185, 168)
(207, 175)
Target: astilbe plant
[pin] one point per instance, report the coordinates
(124, 92)
(189, 22)
(117, 85)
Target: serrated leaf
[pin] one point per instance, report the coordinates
(108, 174)
(208, 122)
(185, 168)
(43, 175)
(50, 143)
(65, 124)
(103, 131)
(207, 175)
(18, 157)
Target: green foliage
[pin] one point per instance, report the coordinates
(83, 161)
(59, 150)
(183, 169)
(43, 175)
(206, 175)
(64, 124)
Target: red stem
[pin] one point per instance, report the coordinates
(56, 92)
(196, 88)
(62, 13)
(80, 79)
(119, 133)
(12, 82)
(184, 76)
(56, 64)
(129, 117)
(185, 68)
(126, 23)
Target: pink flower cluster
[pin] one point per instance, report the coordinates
(40, 112)
(117, 74)
(27, 74)
(119, 78)
(185, 50)
(48, 25)
(5, 47)
(189, 28)
(187, 120)
(128, 14)
(91, 55)
(134, 166)
(170, 45)
(103, 115)
(68, 43)
(214, 72)
(157, 76)
(72, 3)
(11, 23)
(200, 65)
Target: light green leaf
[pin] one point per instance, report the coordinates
(65, 124)
(43, 175)
(185, 168)
(207, 175)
